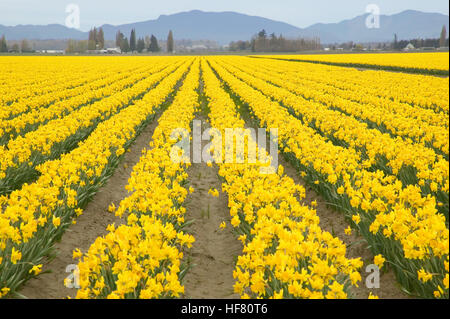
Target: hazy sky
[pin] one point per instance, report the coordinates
(301, 13)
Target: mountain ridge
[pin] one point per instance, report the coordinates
(201, 25)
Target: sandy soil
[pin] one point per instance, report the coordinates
(335, 223)
(89, 226)
(215, 251)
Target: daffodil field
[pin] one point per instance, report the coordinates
(436, 63)
(372, 144)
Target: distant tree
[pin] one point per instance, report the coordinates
(262, 34)
(15, 48)
(122, 42)
(395, 41)
(3, 44)
(273, 42)
(140, 46)
(92, 40)
(418, 43)
(260, 42)
(240, 45)
(91, 45)
(125, 47)
(92, 34)
(119, 39)
(133, 40)
(25, 46)
(147, 42)
(253, 44)
(82, 46)
(74, 46)
(347, 45)
(100, 39)
(244, 45)
(443, 36)
(154, 47)
(71, 46)
(170, 43)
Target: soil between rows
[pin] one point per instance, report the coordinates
(214, 251)
(89, 226)
(334, 222)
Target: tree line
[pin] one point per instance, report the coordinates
(96, 41)
(24, 46)
(136, 45)
(3, 44)
(149, 43)
(273, 43)
(396, 44)
(442, 41)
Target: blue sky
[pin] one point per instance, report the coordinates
(301, 13)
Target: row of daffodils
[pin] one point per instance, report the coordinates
(411, 163)
(286, 254)
(143, 257)
(21, 155)
(33, 83)
(396, 220)
(426, 126)
(427, 62)
(26, 81)
(69, 100)
(34, 217)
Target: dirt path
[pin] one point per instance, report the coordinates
(335, 223)
(215, 251)
(89, 226)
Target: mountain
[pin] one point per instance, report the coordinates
(222, 27)
(408, 24)
(225, 27)
(41, 32)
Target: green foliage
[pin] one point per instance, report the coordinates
(133, 46)
(140, 45)
(170, 43)
(154, 47)
(3, 44)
